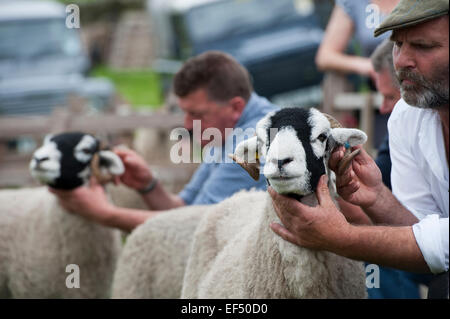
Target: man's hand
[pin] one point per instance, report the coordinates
(322, 227)
(87, 201)
(137, 173)
(361, 182)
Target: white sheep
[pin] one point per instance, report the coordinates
(235, 254)
(154, 257)
(39, 239)
(234, 235)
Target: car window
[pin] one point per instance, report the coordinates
(34, 39)
(224, 18)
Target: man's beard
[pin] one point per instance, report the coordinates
(424, 93)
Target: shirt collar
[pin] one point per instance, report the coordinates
(248, 111)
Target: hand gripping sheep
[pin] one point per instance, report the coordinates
(39, 239)
(236, 255)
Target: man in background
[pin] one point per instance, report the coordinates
(214, 89)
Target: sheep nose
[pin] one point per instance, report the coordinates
(40, 160)
(283, 162)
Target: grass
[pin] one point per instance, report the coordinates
(141, 88)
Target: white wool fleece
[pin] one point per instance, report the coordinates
(39, 239)
(235, 254)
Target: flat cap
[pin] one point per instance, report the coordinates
(411, 12)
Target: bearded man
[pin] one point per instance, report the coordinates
(410, 228)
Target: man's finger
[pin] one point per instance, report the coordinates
(283, 233)
(363, 157)
(335, 158)
(323, 193)
(288, 208)
(285, 204)
(131, 161)
(348, 190)
(122, 151)
(346, 178)
(93, 182)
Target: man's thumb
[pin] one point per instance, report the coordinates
(93, 182)
(323, 193)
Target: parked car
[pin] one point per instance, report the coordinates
(42, 61)
(275, 40)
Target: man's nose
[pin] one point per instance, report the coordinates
(188, 122)
(403, 57)
(384, 107)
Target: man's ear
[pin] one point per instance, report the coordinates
(111, 162)
(246, 155)
(238, 104)
(350, 136)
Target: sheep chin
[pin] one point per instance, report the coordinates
(44, 176)
(290, 188)
(290, 185)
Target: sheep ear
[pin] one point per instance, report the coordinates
(348, 136)
(47, 138)
(246, 155)
(111, 162)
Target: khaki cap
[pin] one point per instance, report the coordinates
(411, 12)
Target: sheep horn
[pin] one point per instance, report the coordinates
(333, 122)
(348, 155)
(95, 167)
(251, 168)
(347, 160)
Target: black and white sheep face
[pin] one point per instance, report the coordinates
(296, 144)
(64, 160)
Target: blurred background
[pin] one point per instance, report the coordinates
(112, 76)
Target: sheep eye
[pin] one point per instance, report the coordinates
(86, 151)
(322, 137)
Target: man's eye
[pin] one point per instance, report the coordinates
(423, 46)
(322, 137)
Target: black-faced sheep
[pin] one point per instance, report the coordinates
(39, 239)
(235, 254)
(227, 250)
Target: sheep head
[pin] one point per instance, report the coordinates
(296, 144)
(67, 160)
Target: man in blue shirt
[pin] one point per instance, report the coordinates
(215, 90)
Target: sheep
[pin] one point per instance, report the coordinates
(154, 257)
(235, 254)
(39, 239)
(153, 261)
